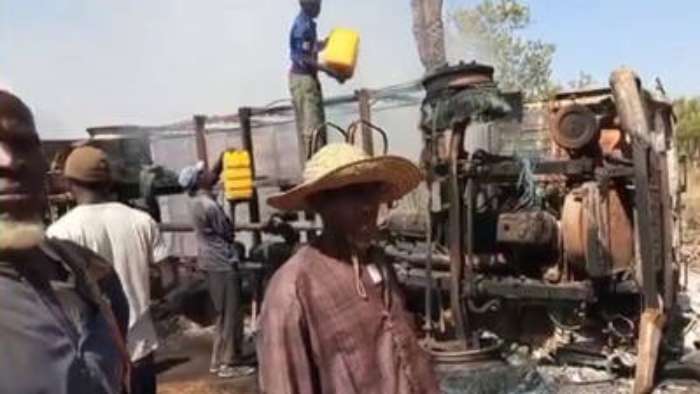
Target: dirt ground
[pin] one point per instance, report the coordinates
(184, 359)
(183, 364)
(198, 387)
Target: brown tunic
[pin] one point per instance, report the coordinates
(319, 335)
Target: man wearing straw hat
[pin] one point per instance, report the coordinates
(333, 320)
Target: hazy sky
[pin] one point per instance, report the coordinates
(83, 63)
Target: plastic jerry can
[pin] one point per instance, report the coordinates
(342, 50)
(237, 176)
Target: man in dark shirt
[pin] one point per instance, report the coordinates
(304, 85)
(218, 257)
(58, 334)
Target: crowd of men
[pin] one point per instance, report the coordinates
(74, 299)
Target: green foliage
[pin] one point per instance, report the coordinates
(583, 81)
(687, 111)
(521, 64)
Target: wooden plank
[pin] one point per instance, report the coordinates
(634, 121)
(632, 112)
(667, 192)
(200, 139)
(650, 333)
(245, 115)
(366, 142)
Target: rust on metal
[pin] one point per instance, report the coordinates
(574, 127)
(597, 232)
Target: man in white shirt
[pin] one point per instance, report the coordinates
(126, 237)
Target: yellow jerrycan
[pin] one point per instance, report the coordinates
(237, 176)
(342, 50)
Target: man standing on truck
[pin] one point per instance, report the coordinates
(130, 239)
(218, 257)
(62, 310)
(304, 86)
(333, 319)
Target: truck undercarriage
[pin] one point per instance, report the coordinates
(565, 248)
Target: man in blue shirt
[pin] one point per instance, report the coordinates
(304, 85)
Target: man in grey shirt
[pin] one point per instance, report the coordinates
(62, 311)
(218, 258)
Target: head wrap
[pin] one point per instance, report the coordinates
(189, 176)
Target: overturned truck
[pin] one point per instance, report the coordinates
(569, 244)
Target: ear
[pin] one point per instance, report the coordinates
(70, 186)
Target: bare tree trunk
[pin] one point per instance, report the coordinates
(429, 32)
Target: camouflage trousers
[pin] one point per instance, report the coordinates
(307, 99)
(429, 32)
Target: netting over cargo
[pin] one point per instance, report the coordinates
(395, 109)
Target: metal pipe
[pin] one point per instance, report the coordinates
(367, 126)
(259, 227)
(321, 132)
(200, 122)
(430, 146)
(431, 259)
(456, 240)
(429, 262)
(366, 142)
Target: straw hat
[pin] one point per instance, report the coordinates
(339, 165)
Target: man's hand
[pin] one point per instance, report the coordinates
(332, 73)
(273, 224)
(276, 225)
(337, 76)
(322, 44)
(341, 79)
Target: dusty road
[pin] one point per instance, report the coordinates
(183, 366)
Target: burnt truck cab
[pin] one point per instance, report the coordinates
(552, 223)
(138, 181)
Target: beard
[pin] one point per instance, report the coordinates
(20, 235)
